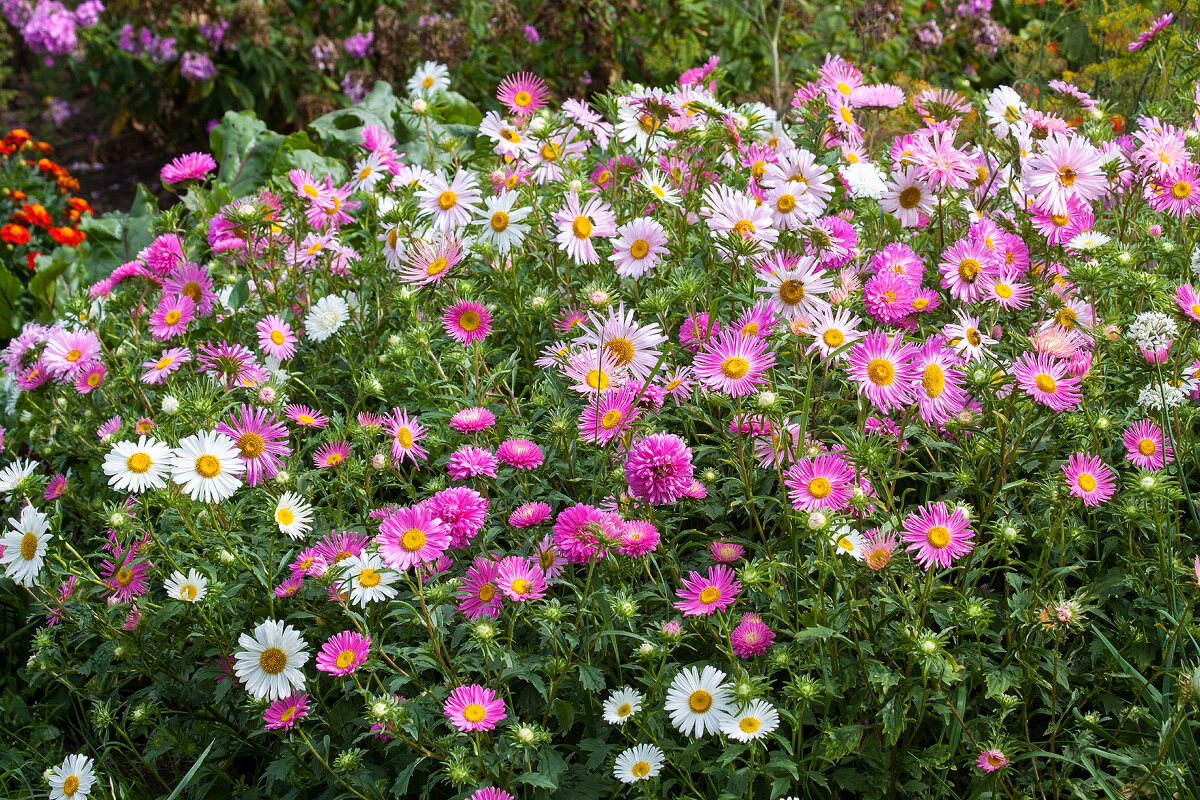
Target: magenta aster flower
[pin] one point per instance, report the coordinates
(289, 585)
(187, 167)
(607, 415)
(343, 652)
(884, 370)
(965, 268)
(470, 461)
(192, 281)
(726, 552)
(283, 714)
(261, 441)
(124, 577)
(231, 363)
(67, 352)
(471, 420)
(426, 262)
(276, 337)
(305, 416)
(751, 637)
(463, 509)
(521, 580)
(1144, 446)
(877, 549)
(331, 454)
(734, 364)
(89, 376)
(1178, 194)
(637, 247)
(474, 708)
(406, 434)
(939, 392)
(659, 468)
(54, 488)
(337, 546)
(701, 596)
(937, 537)
(491, 792)
(467, 322)
(157, 369)
(520, 454)
(529, 514)
(411, 535)
(1046, 380)
(1145, 37)
(581, 533)
(522, 93)
(478, 592)
(171, 317)
(1089, 478)
(820, 482)
(638, 539)
(991, 760)
(1067, 166)
(309, 562)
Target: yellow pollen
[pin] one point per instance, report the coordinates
(1146, 447)
(597, 379)
(272, 660)
(305, 419)
(172, 317)
(251, 445)
(412, 540)
(368, 578)
(193, 290)
(1182, 190)
(968, 270)
(187, 592)
(744, 227)
(820, 488)
(277, 337)
(938, 537)
(791, 291)
(610, 420)
(933, 381)
(436, 267)
(428, 82)
(1046, 384)
(469, 321)
(522, 99)
(344, 659)
(833, 338)
(910, 197)
(1004, 290)
(700, 701)
(447, 200)
(333, 459)
(520, 586)
(881, 372)
(284, 516)
(499, 221)
(640, 769)
(621, 350)
(786, 204)
(750, 329)
(639, 249)
(487, 592)
(29, 546)
(550, 152)
(70, 786)
(138, 463)
(208, 466)
(581, 227)
(625, 710)
(405, 438)
(1067, 176)
(474, 713)
(749, 725)
(1086, 482)
(93, 379)
(735, 367)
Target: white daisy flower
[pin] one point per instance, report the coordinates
(269, 662)
(964, 336)
(1088, 240)
(832, 330)
(796, 292)
(293, 515)
(25, 546)
(907, 197)
(752, 722)
(190, 588)
(849, 542)
(638, 125)
(510, 143)
(135, 467)
(633, 347)
(658, 185)
(697, 701)
(865, 179)
(368, 578)
(1004, 109)
(207, 466)
(368, 172)
(503, 227)
(429, 79)
(621, 705)
(326, 317)
(14, 473)
(638, 763)
(73, 779)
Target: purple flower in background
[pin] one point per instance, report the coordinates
(50, 28)
(353, 86)
(59, 111)
(165, 52)
(17, 12)
(197, 67)
(359, 45)
(127, 42)
(531, 35)
(930, 35)
(214, 33)
(88, 13)
(324, 54)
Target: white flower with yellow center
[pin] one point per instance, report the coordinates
(190, 588)
(12, 475)
(848, 542)
(697, 701)
(135, 467)
(752, 722)
(502, 223)
(207, 466)
(657, 184)
(326, 317)
(621, 705)
(73, 779)
(429, 79)
(25, 546)
(293, 515)
(638, 763)
(269, 662)
(368, 579)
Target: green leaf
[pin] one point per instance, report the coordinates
(43, 283)
(245, 151)
(10, 295)
(591, 678)
(842, 741)
(536, 779)
(459, 110)
(191, 772)
(239, 294)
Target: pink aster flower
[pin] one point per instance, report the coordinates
(343, 652)
(884, 370)
(937, 537)
(521, 580)
(820, 482)
(478, 592)
(54, 488)
(607, 415)
(157, 369)
(305, 416)
(991, 760)
(522, 93)
(276, 337)
(1046, 380)
(701, 596)
(192, 281)
(638, 539)
(638, 246)
(283, 714)
(467, 322)
(471, 420)
(231, 363)
(877, 549)
(331, 454)
(410, 536)
(67, 352)
(463, 510)
(491, 792)
(965, 267)
(529, 514)
(262, 442)
(751, 637)
(579, 225)
(289, 585)
(940, 394)
(581, 533)
(734, 364)
(726, 552)
(171, 317)
(470, 461)
(659, 468)
(337, 546)
(1144, 446)
(1089, 478)
(90, 376)
(474, 708)
(187, 167)
(1158, 26)
(697, 330)
(1067, 166)
(1179, 194)
(453, 204)
(405, 433)
(124, 577)
(520, 454)
(309, 562)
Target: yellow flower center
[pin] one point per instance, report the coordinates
(29, 545)
(750, 329)
(920, 304)
(910, 197)
(333, 459)
(487, 592)
(968, 270)
(138, 462)
(550, 152)
(277, 337)
(546, 559)
(700, 701)
(427, 82)
(368, 578)
(881, 372)
(344, 659)
(735, 367)
(499, 221)
(306, 419)
(640, 769)
(510, 135)
(648, 124)
(749, 724)
(70, 786)
(193, 290)
(744, 227)
(272, 660)
(1004, 290)
(710, 595)
(973, 337)
(208, 466)
(581, 227)
(597, 379)
(93, 379)
(933, 381)
(1065, 318)
(1182, 190)
(287, 714)
(474, 713)
(639, 249)
(74, 356)
(833, 338)
(187, 592)
(520, 586)
(1067, 176)
(786, 204)
(124, 576)
(621, 350)
(405, 438)
(791, 291)
(1086, 482)
(447, 200)
(172, 317)
(164, 362)
(522, 99)
(820, 488)
(470, 321)
(625, 710)
(1046, 384)
(1146, 447)
(251, 445)
(284, 516)
(610, 420)
(413, 540)
(315, 248)
(938, 537)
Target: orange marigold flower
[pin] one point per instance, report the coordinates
(14, 234)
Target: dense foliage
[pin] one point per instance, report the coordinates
(663, 445)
